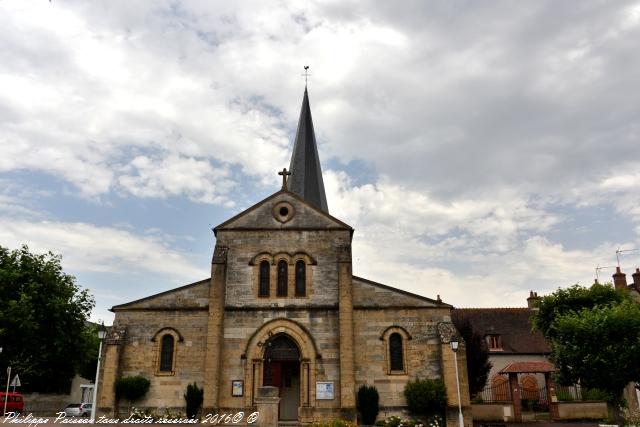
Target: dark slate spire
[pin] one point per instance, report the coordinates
(306, 175)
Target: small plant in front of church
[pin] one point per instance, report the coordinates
(141, 414)
(132, 388)
(632, 419)
(426, 397)
(193, 397)
(368, 404)
(333, 423)
(395, 421)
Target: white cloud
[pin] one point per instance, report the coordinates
(90, 248)
(485, 252)
(174, 175)
(479, 125)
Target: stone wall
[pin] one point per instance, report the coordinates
(422, 354)
(141, 348)
(242, 278)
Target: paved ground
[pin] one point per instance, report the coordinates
(539, 424)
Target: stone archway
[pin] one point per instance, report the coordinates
(281, 363)
(256, 350)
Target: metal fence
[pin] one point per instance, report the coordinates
(494, 393)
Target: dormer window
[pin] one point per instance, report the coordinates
(494, 342)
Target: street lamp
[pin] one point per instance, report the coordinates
(101, 334)
(453, 342)
(6, 395)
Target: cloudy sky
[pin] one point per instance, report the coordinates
(479, 149)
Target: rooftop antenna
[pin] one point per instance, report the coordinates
(306, 74)
(598, 268)
(619, 251)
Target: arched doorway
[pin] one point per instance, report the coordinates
(282, 370)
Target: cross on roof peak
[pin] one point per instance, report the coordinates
(284, 172)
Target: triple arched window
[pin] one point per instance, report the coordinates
(290, 274)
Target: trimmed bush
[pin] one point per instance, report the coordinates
(426, 397)
(132, 388)
(193, 397)
(367, 404)
(333, 423)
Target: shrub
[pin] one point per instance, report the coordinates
(393, 421)
(132, 388)
(333, 423)
(564, 396)
(632, 418)
(368, 404)
(193, 396)
(426, 397)
(597, 394)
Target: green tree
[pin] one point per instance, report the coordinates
(194, 397)
(426, 397)
(132, 388)
(478, 365)
(595, 337)
(368, 404)
(572, 300)
(43, 314)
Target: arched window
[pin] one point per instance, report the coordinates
(282, 279)
(264, 279)
(166, 353)
(396, 362)
(301, 278)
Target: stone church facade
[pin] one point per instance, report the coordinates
(282, 308)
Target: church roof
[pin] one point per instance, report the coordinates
(306, 174)
(327, 222)
(168, 293)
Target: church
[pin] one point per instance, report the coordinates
(283, 308)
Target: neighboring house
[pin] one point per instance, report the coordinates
(282, 308)
(514, 346)
(510, 340)
(631, 392)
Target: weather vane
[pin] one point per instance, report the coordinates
(306, 74)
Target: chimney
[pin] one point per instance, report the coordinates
(619, 279)
(636, 279)
(533, 299)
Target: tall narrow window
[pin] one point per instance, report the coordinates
(282, 279)
(301, 278)
(264, 279)
(166, 354)
(395, 352)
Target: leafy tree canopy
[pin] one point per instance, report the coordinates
(572, 300)
(43, 314)
(595, 336)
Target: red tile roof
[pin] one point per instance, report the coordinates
(528, 367)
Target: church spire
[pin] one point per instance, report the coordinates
(306, 174)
